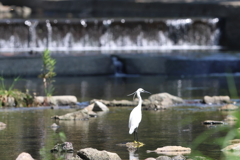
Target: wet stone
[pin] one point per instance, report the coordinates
(24, 156)
(232, 148)
(228, 107)
(213, 122)
(64, 147)
(91, 153)
(172, 150)
(216, 99)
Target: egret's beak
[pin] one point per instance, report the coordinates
(146, 92)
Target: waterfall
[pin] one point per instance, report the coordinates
(109, 34)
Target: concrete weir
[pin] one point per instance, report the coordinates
(131, 64)
(169, 65)
(65, 66)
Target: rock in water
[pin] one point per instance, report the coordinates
(212, 122)
(216, 99)
(228, 107)
(78, 115)
(233, 147)
(172, 150)
(24, 156)
(161, 97)
(99, 106)
(66, 147)
(94, 154)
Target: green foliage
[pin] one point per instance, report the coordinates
(20, 98)
(62, 136)
(8, 91)
(48, 72)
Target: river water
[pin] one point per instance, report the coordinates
(28, 129)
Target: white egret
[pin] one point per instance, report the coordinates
(136, 114)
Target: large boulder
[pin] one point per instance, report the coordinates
(24, 156)
(78, 115)
(94, 154)
(163, 100)
(165, 96)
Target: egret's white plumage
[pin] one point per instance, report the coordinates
(136, 114)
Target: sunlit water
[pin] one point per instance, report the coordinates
(28, 129)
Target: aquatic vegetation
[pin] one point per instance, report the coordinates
(10, 97)
(48, 72)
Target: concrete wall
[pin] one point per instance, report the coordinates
(132, 64)
(65, 66)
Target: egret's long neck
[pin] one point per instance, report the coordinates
(139, 100)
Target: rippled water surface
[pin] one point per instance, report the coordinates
(28, 129)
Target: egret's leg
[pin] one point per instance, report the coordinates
(134, 133)
(135, 136)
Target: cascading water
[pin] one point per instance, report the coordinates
(110, 34)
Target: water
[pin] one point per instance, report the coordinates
(109, 34)
(110, 87)
(28, 129)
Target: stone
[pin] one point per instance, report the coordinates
(89, 108)
(216, 99)
(78, 115)
(150, 158)
(2, 124)
(228, 107)
(24, 156)
(163, 158)
(178, 157)
(233, 147)
(172, 150)
(162, 101)
(114, 103)
(94, 154)
(99, 106)
(212, 122)
(162, 96)
(230, 118)
(54, 125)
(132, 145)
(55, 100)
(64, 147)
